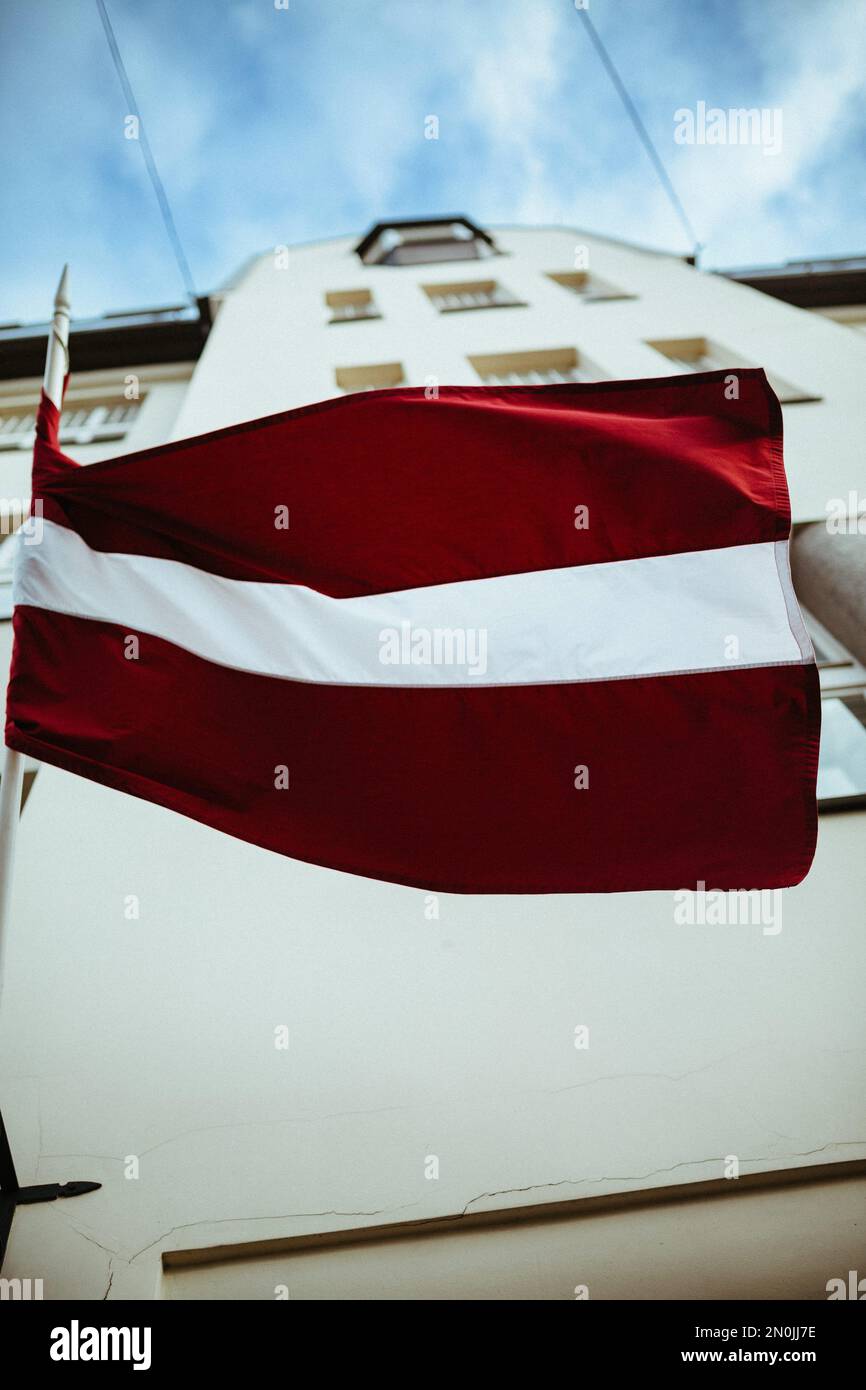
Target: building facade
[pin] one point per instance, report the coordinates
(445, 1055)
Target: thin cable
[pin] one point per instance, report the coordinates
(150, 162)
(641, 129)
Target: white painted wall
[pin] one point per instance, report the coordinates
(273, 348)
(410, 1037)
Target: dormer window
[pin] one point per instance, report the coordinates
(425, 241)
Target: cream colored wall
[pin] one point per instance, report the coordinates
(272, 346)
(411, 1038)
(777, 1245)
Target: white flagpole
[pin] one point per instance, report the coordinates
(12, 1194)
(56, 360)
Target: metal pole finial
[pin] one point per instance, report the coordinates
(57, 356)
(61, 298)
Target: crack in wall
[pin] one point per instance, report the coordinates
(389, 1109)
(642, 1177)
(129, 1260)
(286, 1216)
(238, 1124)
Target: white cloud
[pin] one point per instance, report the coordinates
(275, 126)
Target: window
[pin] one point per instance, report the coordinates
(697, 355)
(704, 355)
(828, 656)
(840, 671)
(375, 377)
(470, 294)
(590, 288)
(17, 429)
(424, 241)
(548, 368)
(349, 305)
(91, 422)
(842, 763)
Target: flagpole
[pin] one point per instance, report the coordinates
(56, 360)
(11, 1193)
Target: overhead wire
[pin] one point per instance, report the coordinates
(645, 139)
(147, 152)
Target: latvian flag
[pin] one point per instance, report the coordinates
(517, 640)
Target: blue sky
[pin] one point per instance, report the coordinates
(272, 126)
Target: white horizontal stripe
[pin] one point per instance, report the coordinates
(670, 613)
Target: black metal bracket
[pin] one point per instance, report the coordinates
(12, 1195)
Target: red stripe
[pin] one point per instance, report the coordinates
(698, 777)
(389, 490)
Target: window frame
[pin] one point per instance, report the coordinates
(565, 359)
(686, 353)
(579, 283)
(501, 296)
(336, 300)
